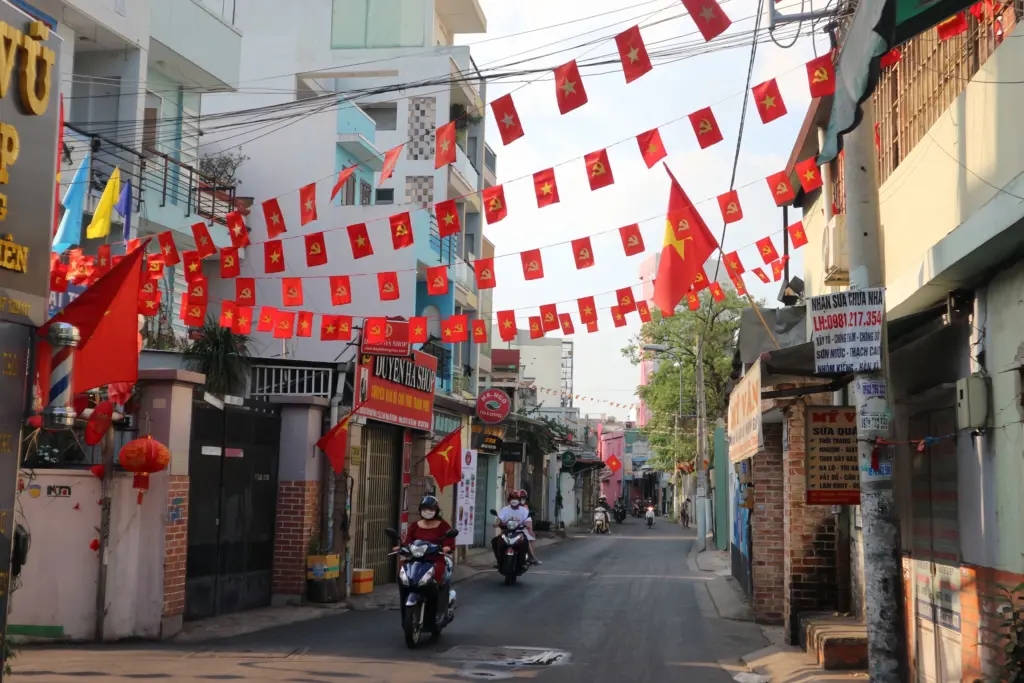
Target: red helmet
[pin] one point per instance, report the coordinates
(523, 495)
(512, 495)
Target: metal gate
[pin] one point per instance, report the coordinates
(233, 459)
(378, 500)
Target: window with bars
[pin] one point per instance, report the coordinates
(365, 193)
(915, 92)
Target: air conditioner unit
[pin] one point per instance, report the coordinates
(835, 252)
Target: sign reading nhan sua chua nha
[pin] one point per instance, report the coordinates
(29, 111)
(847, 331)
(745, 435)
(833, 476)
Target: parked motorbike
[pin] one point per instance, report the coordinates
(512, 545)
(620, 512)
(601, 522)
(430, 600)
(650, 517)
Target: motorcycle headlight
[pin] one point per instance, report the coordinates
(403, 576)
(512, 525)
(427, 577)
(418, 551)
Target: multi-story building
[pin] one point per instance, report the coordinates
(132, 76)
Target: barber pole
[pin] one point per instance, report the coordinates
(59, 411)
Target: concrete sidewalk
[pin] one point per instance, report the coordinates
(725, 592)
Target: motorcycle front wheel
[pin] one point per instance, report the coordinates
(412, 624)
(510, 570)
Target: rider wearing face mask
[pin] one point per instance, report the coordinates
(511, 511)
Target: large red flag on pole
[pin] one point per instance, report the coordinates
(334, 443)
(445, 463)
(688, 244)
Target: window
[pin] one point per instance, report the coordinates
(385, 195)
(365, 193)
(378, 23)
(348, 197)
(385, 115)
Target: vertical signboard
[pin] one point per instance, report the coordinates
(745, 434)
(465, 500)
(14, 345)
(833, 477)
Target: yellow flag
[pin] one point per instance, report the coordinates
(100, 225)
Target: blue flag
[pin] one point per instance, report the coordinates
(124, 208)
(69, 232)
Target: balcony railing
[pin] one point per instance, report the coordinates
(444, 247)
(465, 276)
(162, 176)
(287, 380)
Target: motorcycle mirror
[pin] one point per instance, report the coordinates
(391, 533)
(494, 512)
(452, 533)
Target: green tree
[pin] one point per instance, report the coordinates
(719, 322)
(220, 355)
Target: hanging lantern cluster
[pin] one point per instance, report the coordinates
(143, 457)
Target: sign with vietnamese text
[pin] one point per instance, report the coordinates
(29, 112)
(493, 406)
(847, 331)
(465, 499)
(396, 342)
(397, 390)
(487, 439)
(745, 434)
(833, 474)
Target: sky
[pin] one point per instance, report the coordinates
(616, 113)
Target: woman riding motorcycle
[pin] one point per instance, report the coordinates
(524, 499)
(431, 528)
(511, 511)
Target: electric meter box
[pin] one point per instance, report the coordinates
(972, 402)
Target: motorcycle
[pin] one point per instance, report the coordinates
(620, 512)
(650, 517)
(637, 510)
(601, 525)
(512, 547)
(423, 607)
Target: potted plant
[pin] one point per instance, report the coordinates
(221, 355)
(322, 573)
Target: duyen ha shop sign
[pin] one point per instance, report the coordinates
(29, 114)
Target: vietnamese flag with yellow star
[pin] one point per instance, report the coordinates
(533, 265)
(444, 145)
(761, 275)
(445, 460)
(418, 329)
(708, 15)
(316, 249)
(390, 159)
(618, 317)
(329, 327)
(565, 320)
(204, 243)
(307, 204)
(781, 188)
(588, 310)
(633, 53)
(343, 176)
(797, 235)
(273, 257)
(437, 280)
(808, 173)
(291, 291)
(387, 286)
(583, 253)
(569, 91)
(243, 320)
(273, 217)
(245, 291)
(716, 292)
(341, 290)
(734, 265)
(229, 266)
(494, 204)
(401, 230)
(688, 244)
(778, 267)
(447, 213)
(483, 270)
(168, 248)
(227, 313)
(237, 231)
(768, 100)
(507, 325)
(359, 238)
(334, 443)
(305, 324)
(741, 287)
(651, 147)
(545, 187)
(505, 116)
(455, 329)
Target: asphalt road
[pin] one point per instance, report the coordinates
(621, 608)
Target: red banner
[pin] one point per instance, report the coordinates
(397, 390)
(396, 341)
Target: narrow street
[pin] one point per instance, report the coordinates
(625, 607)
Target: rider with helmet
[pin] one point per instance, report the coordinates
(432, 528)
(513, 510)
(524, 499)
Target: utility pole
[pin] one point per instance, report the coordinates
(702, 447)
(882, 572)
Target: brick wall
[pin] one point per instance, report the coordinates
(766, 537)
(175, 545)
(298, 519)
(809, 568)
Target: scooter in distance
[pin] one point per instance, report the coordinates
(512, 546)
(430, 601)
(650, 517)
(602, 523)
(620, 512)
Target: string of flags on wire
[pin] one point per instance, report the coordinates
(241, 313)
(578, 397)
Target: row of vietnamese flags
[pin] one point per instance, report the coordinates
(578, 397)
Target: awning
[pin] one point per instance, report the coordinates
(788, 325)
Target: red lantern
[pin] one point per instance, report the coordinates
(143, 457)
(99, 423)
